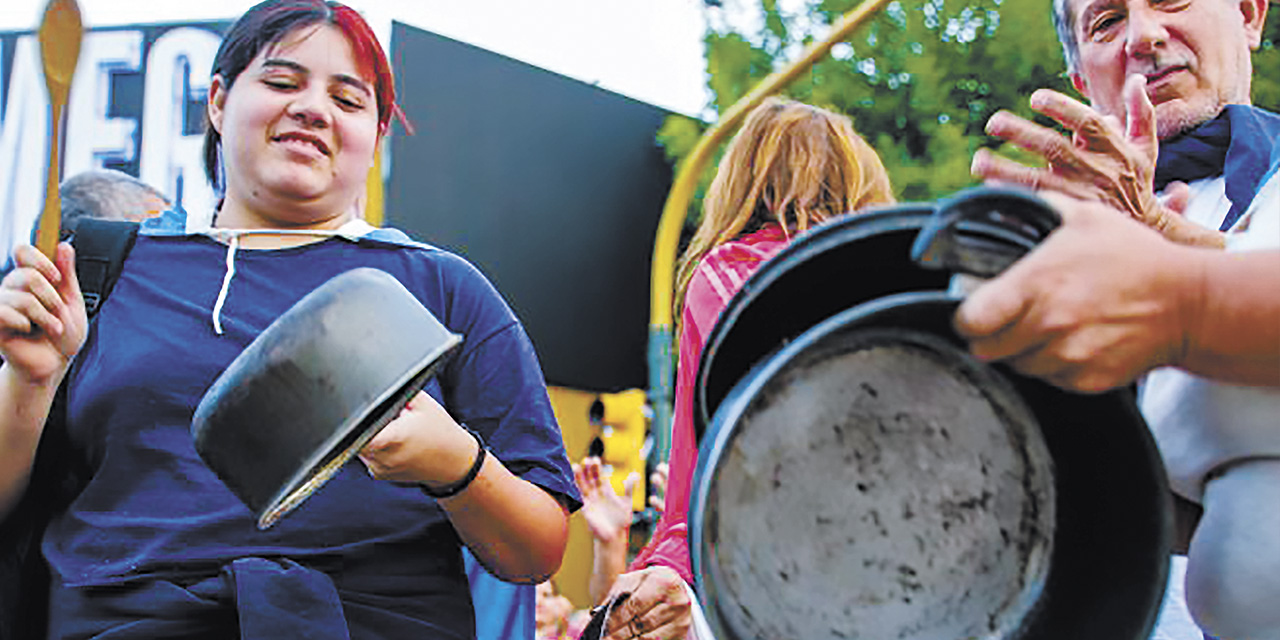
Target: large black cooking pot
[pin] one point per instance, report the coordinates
(850, 260)
(864, 477)
(314, 387)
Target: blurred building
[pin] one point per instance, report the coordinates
(552, 186)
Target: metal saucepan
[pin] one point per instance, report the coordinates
(870, 479)
(824, 271)
(314, 387)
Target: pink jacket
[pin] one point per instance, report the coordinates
(717, 278)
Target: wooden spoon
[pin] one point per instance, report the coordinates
(59, 35)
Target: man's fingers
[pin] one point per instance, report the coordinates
(1042, 141)
(988, 311)
(1183, 231)
(1093, 133)
(993, 168)
(1064, 109)
(1091, 128)
(1049, 364)
(1140, 114)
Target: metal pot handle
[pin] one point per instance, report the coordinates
(981, 231)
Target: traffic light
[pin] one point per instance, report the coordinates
(622, 421)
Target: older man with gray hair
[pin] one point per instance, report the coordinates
(108, 194)
(1169, 138)
(104, 194)
(1164, 77)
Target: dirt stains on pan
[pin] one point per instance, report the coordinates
(882, 486)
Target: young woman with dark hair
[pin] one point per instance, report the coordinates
(153, 544)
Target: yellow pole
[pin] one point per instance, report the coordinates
(662, 270)
(374, 190)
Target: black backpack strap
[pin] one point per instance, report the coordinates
(101, 248)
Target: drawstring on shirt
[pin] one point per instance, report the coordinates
(352, 230)
(226, 283)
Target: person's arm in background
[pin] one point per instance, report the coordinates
(657, 603)
(608, 517)
(42, 325)
(1104, 299)
(659, 577)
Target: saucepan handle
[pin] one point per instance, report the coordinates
(981, 231)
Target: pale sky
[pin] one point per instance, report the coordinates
(650, 50)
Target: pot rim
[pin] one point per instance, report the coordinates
(841, 234)
(738, 401)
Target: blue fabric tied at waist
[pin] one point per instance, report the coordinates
(252, 598)
(282, 599)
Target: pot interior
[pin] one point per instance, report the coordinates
(844, 262)
(875, 485)
(1052, 510)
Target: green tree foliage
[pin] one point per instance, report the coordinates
(919, 80)
(1266, 64)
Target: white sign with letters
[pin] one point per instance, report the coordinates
(136, 104)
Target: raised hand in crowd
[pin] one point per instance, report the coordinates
(658, 480)
(657, 605)
(1105, 159)
(608, 516)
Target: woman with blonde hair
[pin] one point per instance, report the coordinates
(791, 167)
